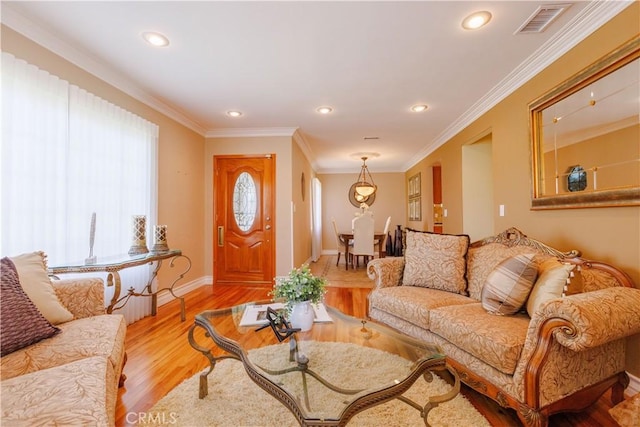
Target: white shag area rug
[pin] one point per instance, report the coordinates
(627, 412)
(235, 400)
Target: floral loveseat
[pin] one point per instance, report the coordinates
(62, 356)
(533, 328)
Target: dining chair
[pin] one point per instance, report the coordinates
(381, 244)
(363, 244)
(340, 244)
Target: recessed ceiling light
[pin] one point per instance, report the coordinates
(155, 39)
(234, 113)
(476, 20)
(419, 108)
(324, 110)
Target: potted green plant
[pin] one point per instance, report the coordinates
(299, 290)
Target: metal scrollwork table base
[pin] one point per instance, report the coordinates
(223, 327)
(113, 264)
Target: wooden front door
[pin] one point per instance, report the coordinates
(244, 221)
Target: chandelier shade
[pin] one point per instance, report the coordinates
(364, 187)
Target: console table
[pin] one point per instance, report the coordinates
(113, 265)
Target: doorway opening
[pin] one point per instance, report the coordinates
(477, 188)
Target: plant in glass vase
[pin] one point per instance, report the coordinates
(299, 290)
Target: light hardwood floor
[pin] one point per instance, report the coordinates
(160, 357)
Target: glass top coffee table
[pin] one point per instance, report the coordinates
(328, 374)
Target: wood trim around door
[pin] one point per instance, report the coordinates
(244, 250)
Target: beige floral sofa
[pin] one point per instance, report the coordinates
(544, 336)
(62, 356)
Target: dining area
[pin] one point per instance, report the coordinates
(360, 235)
(363, 242)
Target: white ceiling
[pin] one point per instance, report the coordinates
(278, 61)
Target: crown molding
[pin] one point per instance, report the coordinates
(250, 132)
(14, 20)
(588, 20)
(302, 142)
(592, 17)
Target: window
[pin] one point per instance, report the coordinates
(66, 154)
(244, 201)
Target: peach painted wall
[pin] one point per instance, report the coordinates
(301, 206)
(610, 235)
(180, 172)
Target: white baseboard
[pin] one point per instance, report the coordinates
(634, 386)
(329, 252)
(181, 290)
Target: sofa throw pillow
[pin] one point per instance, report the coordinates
(509, 285)
(32, 271)
(482, 260)
(437, 261)
(552, 279)
(21, 324)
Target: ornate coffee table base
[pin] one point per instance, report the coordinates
(204, 385)
(424, 368)
(434, 401)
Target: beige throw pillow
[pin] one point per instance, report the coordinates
(509, 285)
(32, 272)
(437, 261)
(552, 278)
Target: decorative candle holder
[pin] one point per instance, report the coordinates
(160, 239)
(139, 242)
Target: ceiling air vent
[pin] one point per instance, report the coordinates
(542, 18)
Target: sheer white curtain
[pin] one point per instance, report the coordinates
(316, 218)
(67, 153)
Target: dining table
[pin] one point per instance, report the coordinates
(378, 236)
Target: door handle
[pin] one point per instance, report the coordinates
(220, 235)
(267, 227)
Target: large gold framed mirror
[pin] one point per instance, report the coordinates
(585, 136)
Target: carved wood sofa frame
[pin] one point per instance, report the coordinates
(529, 411)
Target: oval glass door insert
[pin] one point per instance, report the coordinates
(244, 201)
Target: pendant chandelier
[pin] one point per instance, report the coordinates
(365, 187)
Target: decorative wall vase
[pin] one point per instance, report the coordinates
(302, 316)
(139, 241)
(389, 246)
(160, 239)
(398, 243)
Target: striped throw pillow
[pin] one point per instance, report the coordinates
(509, 284)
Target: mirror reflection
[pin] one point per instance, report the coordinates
(586, 136)
(590, 138)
